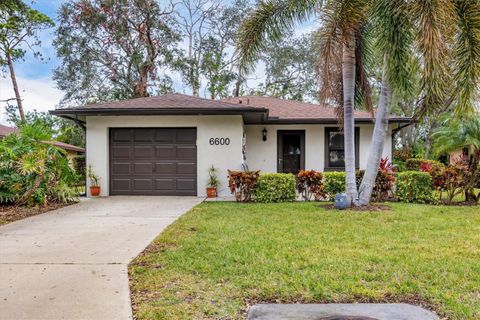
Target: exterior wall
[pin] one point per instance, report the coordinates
(222, 157)
(262, 155)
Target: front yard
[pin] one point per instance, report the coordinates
(220, 257)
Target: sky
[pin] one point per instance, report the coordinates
(39, 91)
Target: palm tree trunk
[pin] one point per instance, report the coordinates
(348, 78)
(15, 87)
(378, 142)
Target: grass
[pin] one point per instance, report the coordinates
(220, 257)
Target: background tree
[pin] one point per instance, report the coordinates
(114, 49)
(289, 66)
(19, 28)
(209, 29)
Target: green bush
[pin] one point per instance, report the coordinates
(275, 187)
(33, 171)
(334, 183)
(415, 164)
(414, 186)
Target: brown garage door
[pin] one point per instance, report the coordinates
(153, 161)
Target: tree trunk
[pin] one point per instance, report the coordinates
(378, 142)
(15, 87)
(348, 78)
(36, 183)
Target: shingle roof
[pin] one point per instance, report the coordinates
(291, 109)
(5, 130)
(167, 101)
(66, 146)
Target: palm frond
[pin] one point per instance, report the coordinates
(268, 21)
(467, 55)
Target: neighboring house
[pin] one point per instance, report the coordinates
(72, 151)
(164, 145)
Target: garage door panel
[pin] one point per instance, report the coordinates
(165, 184)
(121, 184)
(142, 167)
(186, 152)
(165, 152)
(187, 136)
(143, 184)
(121, 168)
(143, 135)
(121, 152)
(186, 184)
(165, 135)
(123, 135)
(186, 168)
(144, 152)
(153, 161)
(165, 168)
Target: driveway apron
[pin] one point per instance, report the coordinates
(71, 263)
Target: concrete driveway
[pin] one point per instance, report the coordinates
(71, 263)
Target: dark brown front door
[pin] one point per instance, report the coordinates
(290, 151)
(153, 161)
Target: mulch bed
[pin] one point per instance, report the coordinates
(371, 207)
(10, 213)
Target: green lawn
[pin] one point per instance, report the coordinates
(221, 256)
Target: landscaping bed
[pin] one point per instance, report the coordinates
(221, 257)
(9, 213)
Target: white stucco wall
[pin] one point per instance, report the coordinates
(222, 157)
(262, 155)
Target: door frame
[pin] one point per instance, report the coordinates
(280, 135)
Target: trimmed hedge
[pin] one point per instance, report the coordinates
(275, 187)
(414, 186)
(334, 183)
(415, 164)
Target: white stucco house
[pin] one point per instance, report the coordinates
(164, 145)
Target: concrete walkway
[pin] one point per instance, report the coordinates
(71, 263)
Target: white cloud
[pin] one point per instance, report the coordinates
(40, 94)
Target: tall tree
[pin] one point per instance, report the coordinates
(114, 49)
(289, 65)
(19, 29)
(209, 30)
(271, 19)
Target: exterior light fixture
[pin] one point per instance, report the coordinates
(264, 134)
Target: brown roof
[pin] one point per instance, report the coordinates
(167, 101)
(292, 109)
(66, 146)
(4, 130)
(254, 109)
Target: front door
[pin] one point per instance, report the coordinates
(290, 151)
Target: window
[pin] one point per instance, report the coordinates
(335, 149)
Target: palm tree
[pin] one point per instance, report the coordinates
(271, 18)
(459, 133)
(442, 37)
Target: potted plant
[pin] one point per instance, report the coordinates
(212, 183)
(94, 182)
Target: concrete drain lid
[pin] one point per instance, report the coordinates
(346, 318)
(340, 311)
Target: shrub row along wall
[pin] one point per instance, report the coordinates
(411, 186)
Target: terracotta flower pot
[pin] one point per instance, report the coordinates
(95, 191)
(211, 192)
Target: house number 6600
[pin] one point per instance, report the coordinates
(219, 141)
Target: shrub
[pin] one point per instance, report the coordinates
(415, 164)
(275, 187)
(414, 186)
(310, 184)
(32, 171)
(384, 183)
(242, 184)
(334, 183)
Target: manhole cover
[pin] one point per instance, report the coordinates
(346, 318)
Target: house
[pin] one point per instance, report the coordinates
(72, 151)
(164, 145)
